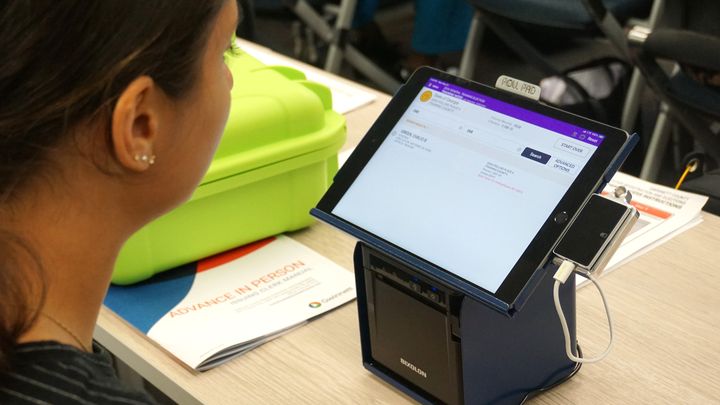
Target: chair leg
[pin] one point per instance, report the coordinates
(342, 25)
(472, 45)
(308, 15)
(368, 68)
(632, 100)
(339, 49)
(637, 82)
(658, 144)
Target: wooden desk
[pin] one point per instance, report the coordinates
(665, 306)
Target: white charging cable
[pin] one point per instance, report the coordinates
(561, 275)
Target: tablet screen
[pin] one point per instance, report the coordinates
(490, 165)
(467, 181)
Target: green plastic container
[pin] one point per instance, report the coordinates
(277, 157)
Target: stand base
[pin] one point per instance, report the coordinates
(439, 346)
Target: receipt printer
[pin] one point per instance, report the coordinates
(439, 346)
(412, 328)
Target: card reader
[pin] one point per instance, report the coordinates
(596, 233)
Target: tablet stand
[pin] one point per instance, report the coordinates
(439, 339)
(438, 345)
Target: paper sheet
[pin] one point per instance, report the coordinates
(346, 97)
(664, 213)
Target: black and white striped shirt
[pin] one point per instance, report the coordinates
(53, 373)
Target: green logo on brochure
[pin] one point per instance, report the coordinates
(315, 304)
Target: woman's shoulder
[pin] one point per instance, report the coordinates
(51, 372)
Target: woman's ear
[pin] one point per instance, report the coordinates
(135, 123)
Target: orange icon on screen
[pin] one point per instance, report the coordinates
(427, 95)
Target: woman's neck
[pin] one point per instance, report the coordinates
(76, 234)
(77, 256)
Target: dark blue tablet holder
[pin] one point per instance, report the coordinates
(422, 332)
(439, 344)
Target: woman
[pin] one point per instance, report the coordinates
(110, 112)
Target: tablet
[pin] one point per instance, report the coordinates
(475, 183)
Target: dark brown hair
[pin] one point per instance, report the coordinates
(64, 64)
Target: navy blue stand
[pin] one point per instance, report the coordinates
(502, 358)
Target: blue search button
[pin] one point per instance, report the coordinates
(536, 155)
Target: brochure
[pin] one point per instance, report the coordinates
(206, 313)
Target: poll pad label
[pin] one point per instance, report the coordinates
(519, 87)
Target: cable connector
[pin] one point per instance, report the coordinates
(564, 271)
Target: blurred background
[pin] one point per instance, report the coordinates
(648, 66)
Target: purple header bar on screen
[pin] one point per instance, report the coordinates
(572, 131)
